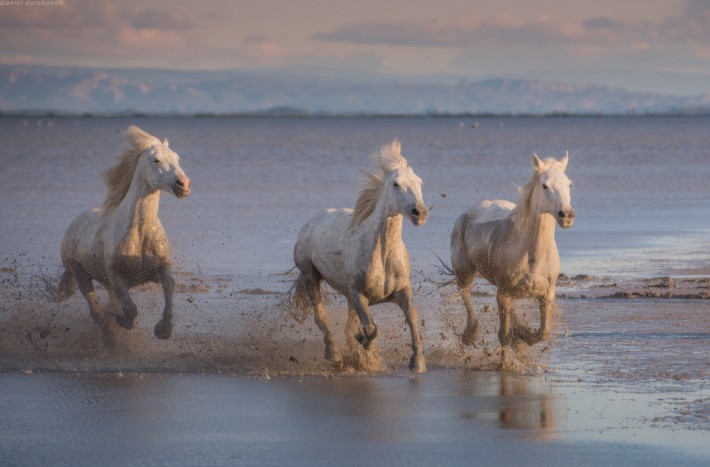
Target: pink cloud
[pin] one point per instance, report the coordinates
(164, 20)
(691, 26)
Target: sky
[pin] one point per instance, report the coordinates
(661, 46)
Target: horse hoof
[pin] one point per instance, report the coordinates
(470, 334)
(417, 364)
(163, 329)
(333, 356)
(366, 341)
(126, 323)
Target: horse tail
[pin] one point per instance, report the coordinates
(65, 289)
(301, 305)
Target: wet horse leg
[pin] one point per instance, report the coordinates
(404, 300)
(86, 286)
(369, 330)
(332, 354)
(505, 331)
(164, 328)
(352, 328)
(120, 290)
(470, 334)
(546, 304)
(363, 359)
(526, 334)
(465, 275)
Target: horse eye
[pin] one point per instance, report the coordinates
(544, 186)
(156, 161)
(396, 185)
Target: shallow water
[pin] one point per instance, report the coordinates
(621, 373)
(451, 417)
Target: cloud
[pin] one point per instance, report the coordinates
(690, 27)
(165, 20)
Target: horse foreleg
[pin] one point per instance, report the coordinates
(130, 311)
(164, 327)
(86, 286)
(332, 354)
(363, 359)
(369, 330)
(546, 304)
(352, 328)
(505, 331)
(404, 300)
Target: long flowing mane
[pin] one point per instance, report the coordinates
(118, 178)
(526, 192)
(388, 159)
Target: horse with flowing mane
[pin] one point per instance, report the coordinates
(124, 244)
(360, 254)
(514, 248)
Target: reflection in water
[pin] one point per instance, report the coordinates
(513, 401)
(385, 407)
(527, 404)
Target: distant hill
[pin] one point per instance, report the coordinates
(110, 91)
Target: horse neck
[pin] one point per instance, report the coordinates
(385, 231)
(139, 208)
(535, 228)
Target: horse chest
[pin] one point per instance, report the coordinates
(380, 279)
(141, 258)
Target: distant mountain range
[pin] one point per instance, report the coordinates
(60, 90)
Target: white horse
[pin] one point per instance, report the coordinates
(124, 244)
(514, 248)
(360, 254)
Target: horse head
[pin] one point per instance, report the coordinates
(163, 171)
(553, 188)
(404, 189)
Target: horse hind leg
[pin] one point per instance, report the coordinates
(84, 281)
(312, 286)
(464, 280)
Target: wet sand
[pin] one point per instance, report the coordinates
(623, 381)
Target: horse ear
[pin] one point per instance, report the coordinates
(537, 162)
(166, 142)
(564, 161)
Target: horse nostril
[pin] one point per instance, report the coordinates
(561, 214)
(180, 182)
(415, 212)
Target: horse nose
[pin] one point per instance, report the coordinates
(415, 212)
(564, 214)
(183, 182)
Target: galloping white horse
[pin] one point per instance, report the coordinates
(124, 244)
(514, 248)
(360, 254)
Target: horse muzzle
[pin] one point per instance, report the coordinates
(182, 187)
(565, 218)
(418, 215)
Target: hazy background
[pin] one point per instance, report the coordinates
(571, 48)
